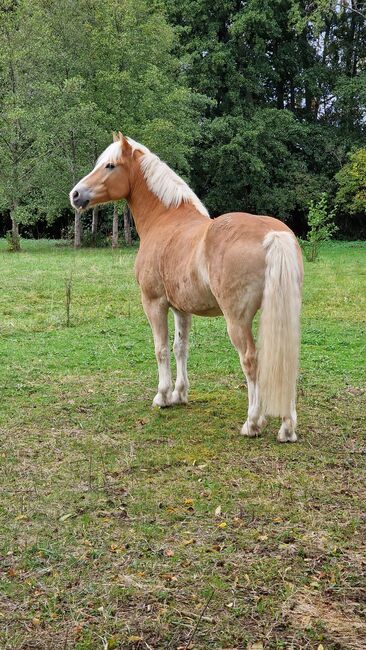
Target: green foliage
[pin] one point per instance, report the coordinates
(99, 240)
(71, 72)
(256, 103)
(13, 242)
(257, 164)
(351, 195)
(286, 82)
(321, 227)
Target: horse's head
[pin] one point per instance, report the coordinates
(110, 178)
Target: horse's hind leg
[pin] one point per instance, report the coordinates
(182, 326)
(288, 426)
(242, 339)
(157, 312)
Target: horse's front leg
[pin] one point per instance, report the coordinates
(182, 326)
(157, 312)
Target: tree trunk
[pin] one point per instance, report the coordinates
(280, 95)
(115, 226)
(127, 225)
(95, 223)
(77, 237)
(15, 242)
(292, 96)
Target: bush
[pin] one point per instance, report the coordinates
(321, 228)
(13, 242)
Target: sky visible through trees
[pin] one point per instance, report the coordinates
(259, 104)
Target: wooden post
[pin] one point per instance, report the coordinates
(115, 227)
(94, 227)
(127, 225)
(77, 231)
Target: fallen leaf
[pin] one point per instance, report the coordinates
(169, 577)
(222, 525)
(187, 542)
(188, 502)
(65, 517)
(169, 552)
(218, 511)
(36, 621)
(134, 638)
(117, 549)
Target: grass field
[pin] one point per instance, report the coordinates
(123, 526)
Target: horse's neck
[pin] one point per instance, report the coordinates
(149, 211)
(145, 206)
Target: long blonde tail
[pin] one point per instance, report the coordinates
(279, 329)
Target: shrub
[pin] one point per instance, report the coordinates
(13, 242)
(321, 227)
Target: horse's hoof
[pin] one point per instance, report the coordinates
(179, 397)
(249, 430)
(162, 401)
(284, 435)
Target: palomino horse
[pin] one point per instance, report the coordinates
(230, 266)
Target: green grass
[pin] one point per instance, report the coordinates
(109, 537)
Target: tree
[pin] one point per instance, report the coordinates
(321, 227)
(17, 105)
(82, 69)
(115, 230)
(351, 194)
(127, 225)
(257, 61)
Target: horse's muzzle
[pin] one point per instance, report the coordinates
(80, 197)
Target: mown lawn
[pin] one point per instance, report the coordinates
(123, 526)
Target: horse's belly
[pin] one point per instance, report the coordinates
(187, 294)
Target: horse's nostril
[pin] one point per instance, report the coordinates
(75, 194)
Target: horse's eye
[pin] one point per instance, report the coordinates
(110, 166)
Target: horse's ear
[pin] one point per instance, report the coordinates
(126, 147)
(115, 137)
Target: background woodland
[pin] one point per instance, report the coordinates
(259, 104)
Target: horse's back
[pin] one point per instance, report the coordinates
(251, 226)
(235, 258)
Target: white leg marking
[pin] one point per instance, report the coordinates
(164, 395)
(254, 423)
(287, 431)
(182, 326)
(157, 313)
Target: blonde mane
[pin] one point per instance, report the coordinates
(161, 180)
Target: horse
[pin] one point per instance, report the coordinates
(232, 265)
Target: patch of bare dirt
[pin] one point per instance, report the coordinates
(341, 624)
